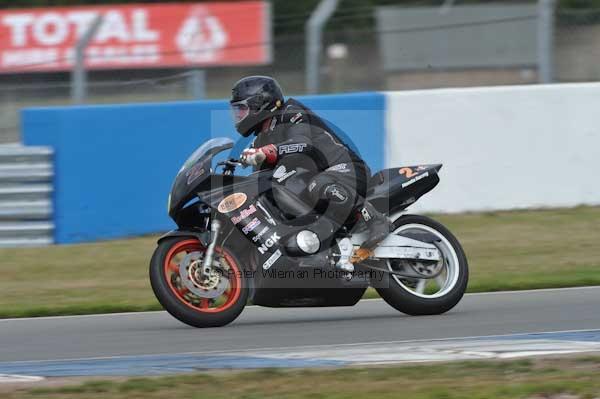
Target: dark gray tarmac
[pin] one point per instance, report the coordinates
(98, 336)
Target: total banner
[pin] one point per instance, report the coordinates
(137, 36)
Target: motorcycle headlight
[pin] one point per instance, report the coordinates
(308, 241)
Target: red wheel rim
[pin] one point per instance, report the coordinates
(220, 304)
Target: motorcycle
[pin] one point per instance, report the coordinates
(253, 238)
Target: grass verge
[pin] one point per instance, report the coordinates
(541, 378)
(506, 251)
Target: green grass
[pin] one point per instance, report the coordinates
(107, 276)
(542, 378)
(506, 251)
(530, 249)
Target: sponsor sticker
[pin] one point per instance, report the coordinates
(195, 172)
(408, 172)
(291, 148)
(366, 215)
(269, 242)
(244, 213)
(415, 179)
(340, 167)
(232, 202)
(334, 193)
(272, 259)
(260, 233)
(251, 226)
(296, 118)
(281, 174)
(134, 36)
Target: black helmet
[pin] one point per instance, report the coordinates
(254, 99)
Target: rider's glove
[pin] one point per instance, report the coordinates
(256, 156)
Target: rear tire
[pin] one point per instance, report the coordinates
(412, 303)
(175, 302)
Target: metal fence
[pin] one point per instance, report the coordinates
(352, 60)
(15, 96)
(577, 45)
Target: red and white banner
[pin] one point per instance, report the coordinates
(137, 36)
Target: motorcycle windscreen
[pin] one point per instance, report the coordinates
(195, 170)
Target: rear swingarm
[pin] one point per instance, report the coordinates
(406, 274)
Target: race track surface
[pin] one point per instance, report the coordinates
(308, 334)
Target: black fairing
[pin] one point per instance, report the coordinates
(314, 284)
(392, 190)
(220, 186)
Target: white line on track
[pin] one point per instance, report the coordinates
(305, 347)
(11, 378)
(516, 292)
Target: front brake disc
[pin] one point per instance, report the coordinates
(212, 287)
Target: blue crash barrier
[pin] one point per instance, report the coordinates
(114, 164)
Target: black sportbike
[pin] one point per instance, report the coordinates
(253, 238)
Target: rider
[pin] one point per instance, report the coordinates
(289, 135)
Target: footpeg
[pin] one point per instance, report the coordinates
(345, 267)
(344, 263)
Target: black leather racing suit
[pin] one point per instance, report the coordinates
(303, 140)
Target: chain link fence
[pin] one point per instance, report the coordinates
(22, 94)
(577, 45)
(353, 60)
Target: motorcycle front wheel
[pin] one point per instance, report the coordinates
(196, 300)
(427, 296)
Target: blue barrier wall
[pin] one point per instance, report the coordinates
(114, 164)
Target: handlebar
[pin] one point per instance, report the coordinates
(229, 165)
(230, 162)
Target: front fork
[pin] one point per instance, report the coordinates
(215, 228)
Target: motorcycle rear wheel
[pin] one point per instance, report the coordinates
(419, 296)
(184, 304)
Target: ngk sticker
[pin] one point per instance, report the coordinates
(269, 242)
(134, 36)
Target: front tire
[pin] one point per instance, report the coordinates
(413, 296)
(184, 304)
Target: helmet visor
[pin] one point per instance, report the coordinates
(240, 110)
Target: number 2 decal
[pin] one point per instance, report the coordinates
(408, 172)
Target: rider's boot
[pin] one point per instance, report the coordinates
(378, 226)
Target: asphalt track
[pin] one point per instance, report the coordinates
(306, 334)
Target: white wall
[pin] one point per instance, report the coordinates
(502, 147)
